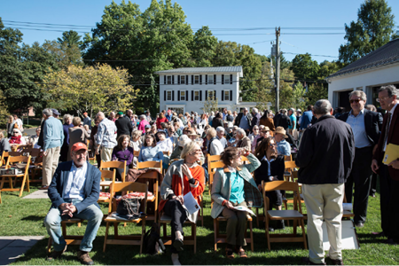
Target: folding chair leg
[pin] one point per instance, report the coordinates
(303, 234)
(49, 243)
(106, 237)
(294, 226)
(267, 232)
(142, 236)
(22, 187)
(215, 233)
(251, 236)
(194, 233)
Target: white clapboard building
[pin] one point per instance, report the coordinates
(186, 89)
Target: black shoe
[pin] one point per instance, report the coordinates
(336, 262)
(309, 262)
(359, 225)
(55, 254)
(178, 244)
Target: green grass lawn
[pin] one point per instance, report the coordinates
(24, 217)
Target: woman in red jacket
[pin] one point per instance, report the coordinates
(182, 177)
(161, 119)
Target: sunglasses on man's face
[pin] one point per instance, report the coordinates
(354, 101)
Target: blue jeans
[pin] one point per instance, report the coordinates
(92, 214)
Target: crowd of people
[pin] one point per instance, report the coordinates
(336, 153)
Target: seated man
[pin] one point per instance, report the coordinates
(74, 192)
(283, 147)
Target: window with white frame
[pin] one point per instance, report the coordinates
(196, 79)
(196, 95)
(168, 95)
(183, 96)
(168, 79)
(182, 79)
(210, 79)
(227, 96)
(226, 79)
(211, 95)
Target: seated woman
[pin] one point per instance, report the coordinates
(183, 140)
(16, 138)
(136, 143)
(4, 144)
(123, 153)
(228, 192)
(271, 169)
(174, 186)
(150, 151)
(165, 145)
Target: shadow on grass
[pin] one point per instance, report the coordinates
(33, 218)
(370, 238)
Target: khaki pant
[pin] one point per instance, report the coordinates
(324, 202)
(50, 163)
(106, 154)
(236, 225)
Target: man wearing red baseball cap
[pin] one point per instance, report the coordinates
(74, 192)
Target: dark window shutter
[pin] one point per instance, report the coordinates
(222, 95)
(178, 79)
(222, 79)
(192, 79)
(231, 95)
(200, 79)
(186, 96)
(192, 95)
(173, 79)
(186, 79)
(206, 95)
(214, 94)
(164, 95)
(178, 95)
(231, 79)
(214, 79)
(200, 95)
(173, 95)
(206, 79)
(164, 79)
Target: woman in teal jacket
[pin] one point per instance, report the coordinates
(234, 186)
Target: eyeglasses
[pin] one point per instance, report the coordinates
(272, 145)
(354, 101)
(14, 132)
(264, 131)
(382, 99)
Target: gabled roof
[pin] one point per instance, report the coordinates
(385, 55)
(199, 70)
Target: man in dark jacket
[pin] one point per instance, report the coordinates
(325, 159)
(277, 117)
(284, 120)
(243, 120)
(74, 192)
(366, 127)
(123, 125)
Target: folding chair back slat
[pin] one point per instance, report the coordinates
(150, 164)
(114, 164)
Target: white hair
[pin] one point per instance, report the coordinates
(220, 129)
(48, 112)
(241, 132)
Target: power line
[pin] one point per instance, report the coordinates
(311, 54)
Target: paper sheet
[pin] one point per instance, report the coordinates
(190, 203)
(244, 209)
(391, 153)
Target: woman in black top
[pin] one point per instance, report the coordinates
(271, 169)
(217, 121)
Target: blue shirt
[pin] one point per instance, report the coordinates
(359, 129)
(53, 133)
(237, 188)
(306, 119)
(293, 122)
(283, 148)
(75, 182)
(106, 134)
(244, 122)
(150, 154)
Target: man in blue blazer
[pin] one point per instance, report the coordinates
(74, 191)
(366, 126)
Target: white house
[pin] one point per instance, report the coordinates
(369, 73)
(186, 89)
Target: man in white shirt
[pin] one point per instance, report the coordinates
(214, 145)
(74, 191)
(220, 136)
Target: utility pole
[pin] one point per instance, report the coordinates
(277, 69)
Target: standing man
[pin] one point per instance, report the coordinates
(56, 114)
(277, 117)
(284, 120)
(325, 163)
(243, 120)
(306, 120)
(255, 118)
(53, 138)
(123, 125)
(106, 137)
(148, 117)
(74, 192)
(389, 174)
(366, 126)
(86, 119)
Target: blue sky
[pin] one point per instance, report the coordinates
(215, 14)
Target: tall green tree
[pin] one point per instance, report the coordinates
(304, 67)
(373, 28)
(63, 54)
(70, 38)
(203, 47)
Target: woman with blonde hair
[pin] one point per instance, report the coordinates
(76, 134)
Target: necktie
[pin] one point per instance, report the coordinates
(387, 129)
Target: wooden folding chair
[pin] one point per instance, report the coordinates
(114, 164)
(290, 167)
(167, 153)
(221, 238)
(69, 239)
(288, 157)
(107, 178)
(295, 214)
(4, 157)
(128, 239)
(24, 176)
(136, 154)
(213, 164)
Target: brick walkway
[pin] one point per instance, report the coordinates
(12, 247)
